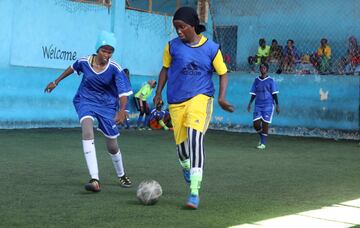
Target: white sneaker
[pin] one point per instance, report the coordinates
(261, 146)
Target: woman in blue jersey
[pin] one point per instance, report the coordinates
(188, 64)
(102, 95)
(264, 91)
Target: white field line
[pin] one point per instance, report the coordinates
(346, 214)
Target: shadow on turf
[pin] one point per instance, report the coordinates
(136, 202)
(162, 203)
(106, 189)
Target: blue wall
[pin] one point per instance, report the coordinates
(311, 105)
(144, 38)
(25, 105)
(40, 27)
(161, 6)
(6, 9)
(29, 26)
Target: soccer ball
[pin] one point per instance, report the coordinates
(149, 192)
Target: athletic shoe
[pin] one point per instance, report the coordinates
(125, 181)
(93, 186)
(193, 202)
(186, 174)
(261, 146)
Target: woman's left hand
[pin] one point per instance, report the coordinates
(120, 116)
(50, 87)
(277, 109)
(225, 105)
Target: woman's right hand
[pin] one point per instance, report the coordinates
(157, 100)
(50, 87)
(249, 108)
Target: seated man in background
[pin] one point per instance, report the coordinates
(323, 56)
(160, 119)
(346, 63)
(353, 50)
(352, 60)
(275, 57)
(261, 55)
(305, 66)
(353, 68)
(291, 57)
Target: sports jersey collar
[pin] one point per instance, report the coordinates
(203, 39)
(107, 66)
(264, 78)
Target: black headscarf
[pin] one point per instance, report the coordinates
(190, 17)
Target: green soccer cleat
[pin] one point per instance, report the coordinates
(261, 147)
(125, 181)
(93, 186)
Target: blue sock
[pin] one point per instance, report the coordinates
(147, 120)
(263, 138)
(259, 132)
(126, 123)
(139, 121)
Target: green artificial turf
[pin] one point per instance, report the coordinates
(42, 173)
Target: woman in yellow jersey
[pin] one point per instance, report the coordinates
(188, 64)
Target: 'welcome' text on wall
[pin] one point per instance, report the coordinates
(52, 52)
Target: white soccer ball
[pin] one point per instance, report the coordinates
(149, 192)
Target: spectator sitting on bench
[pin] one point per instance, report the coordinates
(261, 56)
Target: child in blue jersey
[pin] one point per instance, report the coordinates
(160, 119)
(102, 95)
(264, 92)
(188, 65)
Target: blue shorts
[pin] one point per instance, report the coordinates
(104, 116)
(264, 112)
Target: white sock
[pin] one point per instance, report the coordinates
(90, 157)
(196, 172)
(118, 163)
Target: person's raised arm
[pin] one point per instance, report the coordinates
(53, 84)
